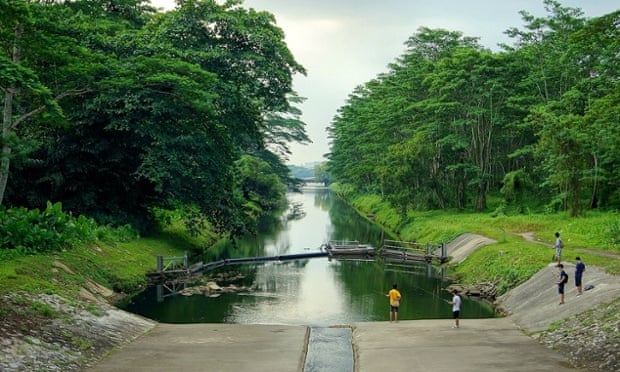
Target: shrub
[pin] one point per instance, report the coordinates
(51, 230)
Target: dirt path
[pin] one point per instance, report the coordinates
(529, 236)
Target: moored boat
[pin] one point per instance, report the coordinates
(348, 247)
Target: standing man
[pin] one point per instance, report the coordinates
(394, 296)
(456, 307)
(559, 244)
(580, 267)
(563, 280)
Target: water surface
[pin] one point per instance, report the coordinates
(317, 291)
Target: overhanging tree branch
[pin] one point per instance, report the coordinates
(72, 92)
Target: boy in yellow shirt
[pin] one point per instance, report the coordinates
(394, 296)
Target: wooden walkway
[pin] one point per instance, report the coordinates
(392, 250)
(411, 251)
(200, 266)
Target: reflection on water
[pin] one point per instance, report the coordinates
(317, 291)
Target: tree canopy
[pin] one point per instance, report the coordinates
(113, 109)
(450, 121)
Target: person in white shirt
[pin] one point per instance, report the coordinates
(456, 307)
(559, 244)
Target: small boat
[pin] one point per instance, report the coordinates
(348, 248)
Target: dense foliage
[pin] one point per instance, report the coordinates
(51, 230)
(451, 121)
(115, 109)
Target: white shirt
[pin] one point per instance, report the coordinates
(456, 303)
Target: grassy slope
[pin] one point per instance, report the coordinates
(512, 260)
(118, 266)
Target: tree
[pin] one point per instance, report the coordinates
(261, 188)
(472, 87)
(595, 95)
(322, 175)
(397, 112)
(284, 126)
(174, 101)
(449, 120)
(516, 185)
(16, 80)
(570, 59)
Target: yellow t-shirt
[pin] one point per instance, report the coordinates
(394, 296)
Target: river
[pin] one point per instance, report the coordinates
(316, 291)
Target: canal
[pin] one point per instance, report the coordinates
(317, 292)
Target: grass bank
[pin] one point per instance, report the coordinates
(119, 266)
(513, 259)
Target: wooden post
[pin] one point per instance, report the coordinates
(160, 293)
(160, 264)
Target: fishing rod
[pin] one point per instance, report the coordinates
(432, 294)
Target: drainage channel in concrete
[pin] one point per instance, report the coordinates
(330, 350)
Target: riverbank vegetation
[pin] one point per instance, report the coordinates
(451, 123)
(455, 138)
(118, 110)
(514, 258)
(129, 133)
(86, 253)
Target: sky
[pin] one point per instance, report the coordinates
(346, 43)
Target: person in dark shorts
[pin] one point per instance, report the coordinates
(456, 307)
(394, 296)
(580, 267)
(562, 282)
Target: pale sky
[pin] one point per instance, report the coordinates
(345, 43)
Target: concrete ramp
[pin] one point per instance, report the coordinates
(463, 245)
(432, 345)
(212, 347)
(413, 345)
(534, 305)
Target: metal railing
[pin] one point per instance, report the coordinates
(172, 263)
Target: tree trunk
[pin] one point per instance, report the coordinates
(594, 198)
(6, 150)
(481, 203)
(5, 157)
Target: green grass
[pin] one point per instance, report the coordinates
(596, 230)
(512, 260)
(44, 310)
(119, 266)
